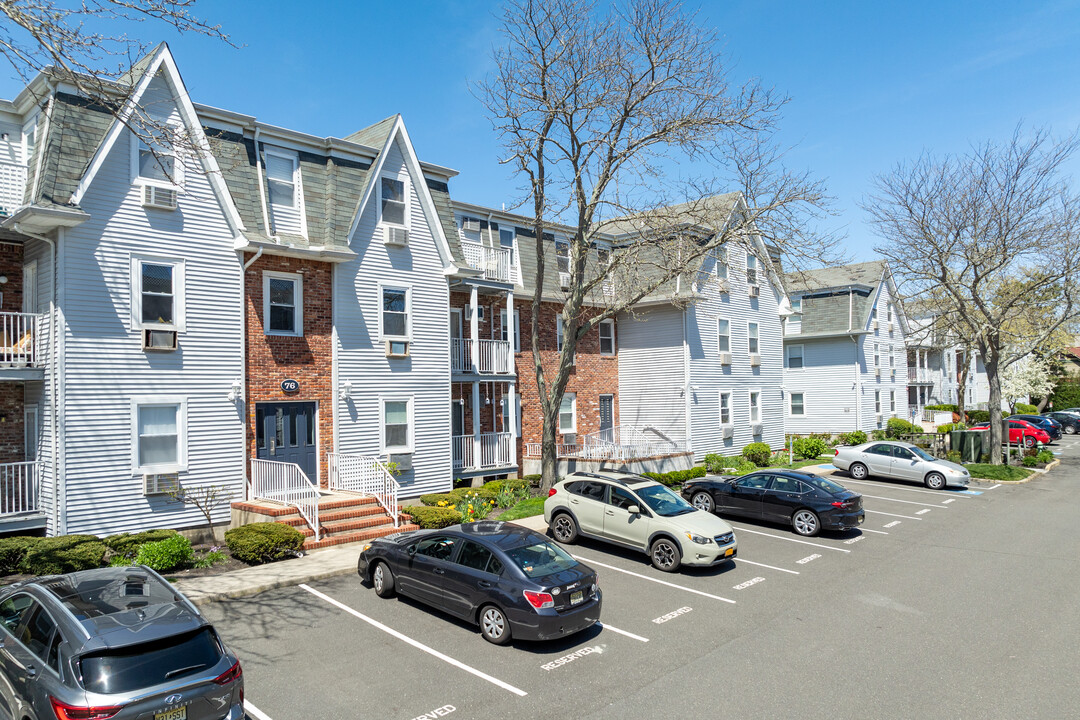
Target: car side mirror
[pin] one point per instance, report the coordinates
(411, 550)
(634, 510)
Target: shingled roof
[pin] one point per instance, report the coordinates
(838, 300)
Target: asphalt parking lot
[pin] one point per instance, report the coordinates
(945, 604)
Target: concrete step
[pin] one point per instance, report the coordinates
(335, 515)
(357, 536)
(347, 525)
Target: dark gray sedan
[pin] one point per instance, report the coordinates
(902, 461)
(507, 579)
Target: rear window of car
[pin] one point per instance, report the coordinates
(541, 559)
(824, 484)
(126, 669)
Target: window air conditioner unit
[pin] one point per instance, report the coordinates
(470, 224)
(564, 280)
(878, 418)
(728, 431)
(722, 285)
(890, 326)
(877, 372)
(873, 324)
(160, 483)
(755, 359)
(159, 197)
(755, 291)
(163, 340)
(396, 236)
(725, 358)
(755, 429)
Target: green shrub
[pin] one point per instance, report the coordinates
(744, 469)
(984, 459)
(757, 453)
(498, 486)
(440, 499)
(12, 552)
(855, 437)
(1025, 409)
(949, 427)
(64, 554)
(953, 456)
(898, 426)
(433, 518)
(978, 416)
(809, 447)
(1030, 462)
(943, 407)
(533, 480)
(825, 438)
(259, 543)
(210, 558)
(1045, 456)
(716, 464)
(127, 545)
(877, 434)
(676, 477)
(172, 553)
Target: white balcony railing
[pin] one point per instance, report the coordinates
(20, 488)
(493, 357)
(919, 375)
(463, 452)
(366, 475)
(285, 483)
(495, 451)
(494, 261)
(12, 187)
(621, 443)
(19, 339)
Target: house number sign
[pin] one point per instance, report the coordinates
(290, 386)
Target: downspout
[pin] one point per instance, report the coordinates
(689, 387)
(256, 256)
(858, 375)
(52, 371)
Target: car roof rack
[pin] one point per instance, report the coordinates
(620, 478)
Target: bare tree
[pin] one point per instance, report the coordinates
(203, 497)
(991, 240)
(600, 112)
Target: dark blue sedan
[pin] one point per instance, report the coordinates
(1051, 426)
(509, 580)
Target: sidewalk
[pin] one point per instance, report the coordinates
(316, 565)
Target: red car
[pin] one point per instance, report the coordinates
(1020, 431)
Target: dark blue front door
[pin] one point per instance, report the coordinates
(286, 432)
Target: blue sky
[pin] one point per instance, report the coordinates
(871, 83)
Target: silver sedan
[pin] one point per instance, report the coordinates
(900, 460)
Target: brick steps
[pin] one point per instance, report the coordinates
(358, 536)
(342, 519)
(335, 515)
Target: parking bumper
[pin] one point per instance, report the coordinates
(548, 624)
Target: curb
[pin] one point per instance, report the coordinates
(204, 598)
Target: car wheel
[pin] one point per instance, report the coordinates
(665, 555)
(493, 625)
(1070, 430)
(806, 523)
(858, 471)
(382, 577)
(564, 528)
(1029, 441)
(935, 481)
(703, 501)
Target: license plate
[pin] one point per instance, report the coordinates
(577, 597)
(179, 713)
(729, 552)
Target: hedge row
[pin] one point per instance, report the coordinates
(260, 543)
(676, 477)
(433, 518)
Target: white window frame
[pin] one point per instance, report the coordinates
(752, 406)
(722, 262)
(791, 404)
(723, 406)
(181, 464)
(407, 289)
(892, 356)
(558, 258)
(517, 328)
(406, 191)
(802, 357)
(888, 311)
(756, 336)
(892, 401)
(30, 135)
(877, 356)
(723, 335)
(752, 267)
(31, 420)
(294, 159)
(298, 299)
(179, 322)
(137, 145)
(513, 237)
(573, 414)
(599, 329)
(796, 305)
(397, 449)
(877, 402)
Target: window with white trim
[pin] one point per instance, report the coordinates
(892, 401)
(877, 402)
(751, 269)
(155, 163)
(506, 238)
(723, 335)
(504, 328)
(877, 357)
(796, 304)
(397, 416)
(158, 436)
(722, 262)
(888, 311)
(395, 323)
(607, 337)
(283, 304)
(798, 406)
(752, 337)
(157, 289)
(281, 172)
(795, 357)
(892, 356)
(755, 406)
(568, 414)
(393, 201)
(725, 408)
(562, 256)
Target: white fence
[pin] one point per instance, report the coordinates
(495, 451)
(12, 187)
(368, 476)
(492, 356)
(621, 443)
(285, 483)
(19, 334)
(20, 488)
(463, 451)
(494, 261)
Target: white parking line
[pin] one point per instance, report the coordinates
(751, 562)
(255, 712)
(877, 532)
(418, 645)
(901, 487)
(992, 487)
(781, 537)
(622, 632)
(646, 577)
(909, 502)
(906, 517)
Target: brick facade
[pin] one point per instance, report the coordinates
(12, 435)
(307, 359)
(11, 264)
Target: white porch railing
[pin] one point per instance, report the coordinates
(622, 443)
(920, 375)
(19, 333)
(20, 488)
(368, 476)
(285, 483)
(493, 356)
(463, 452)
(494, 261)
(495, 451)
(12, 187)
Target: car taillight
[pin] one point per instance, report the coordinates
(839, 504)
(836, 452)
(539, 600)
(230, 675)
(551, 492)
(63, 711)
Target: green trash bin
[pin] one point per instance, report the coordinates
(972, 443)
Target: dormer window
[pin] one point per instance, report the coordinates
(392, 201)
(281, 179)
(796, 305)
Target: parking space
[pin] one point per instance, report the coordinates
(408, 661)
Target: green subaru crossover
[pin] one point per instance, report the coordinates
(638, 513)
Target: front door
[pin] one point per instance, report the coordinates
(607, 422)
(285, 432)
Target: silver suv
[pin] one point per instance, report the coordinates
(112, 643)
(639, 513)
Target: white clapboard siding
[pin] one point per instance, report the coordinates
(106, 366)
(827, 382)
(38, 392)
(889, 382)
(652, 376)
(425, 374)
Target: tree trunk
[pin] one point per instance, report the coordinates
(990, 360)
(961, 385)
(548, 454)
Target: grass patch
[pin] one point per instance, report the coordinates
(1000, 473)
(524, 509)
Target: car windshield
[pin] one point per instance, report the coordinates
(662, 501)
(825, 484)
(921, 453)
(132, 668)
(541, 559)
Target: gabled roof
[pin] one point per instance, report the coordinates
(374, 135)
(709, 214)
(839, 300)
(867, 274)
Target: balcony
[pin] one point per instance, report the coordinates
(22, 344)
(495, 451)
(20, 490)
(496, 262)
(919, 376)
(493, 357)
(619, 444)
(12, 187)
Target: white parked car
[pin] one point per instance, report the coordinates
(900, 460)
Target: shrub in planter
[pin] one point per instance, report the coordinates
(433, 518)
(809, 447)
(12, 552)
(757, 453)
(172, 553)
(127, 545)
(259, 543)
(64, 554)
(1045, 456)
(898, 426)
(1030, 462)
